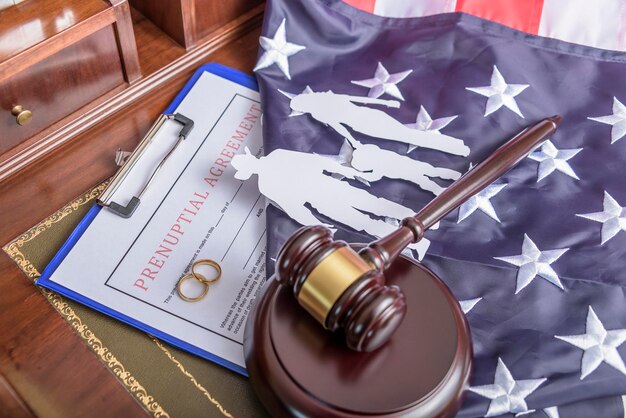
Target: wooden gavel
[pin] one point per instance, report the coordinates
(346, 290)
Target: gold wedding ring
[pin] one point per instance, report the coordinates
(201, 296)
(200, 278)
(207, 262)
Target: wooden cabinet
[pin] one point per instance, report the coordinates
(73, 63)
(57, 86)
(209, 14)
(188, 22)
(59, 58)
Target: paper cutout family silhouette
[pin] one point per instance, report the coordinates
(297, 181)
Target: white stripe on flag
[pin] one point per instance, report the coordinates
(413, 8)
(600, 23)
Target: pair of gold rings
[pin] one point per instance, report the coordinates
(200, 278)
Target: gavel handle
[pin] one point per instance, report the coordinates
(382, 252)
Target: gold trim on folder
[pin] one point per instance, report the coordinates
(95, 344)
(117, 368)
(13, 248)
(192, 378)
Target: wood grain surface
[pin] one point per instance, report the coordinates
(155, 51)
(12, 403)
(42, 19)
(59, 85)
(49, 26)
(126, 41)
(188, 22)
(166, 14)
(50, 372)
(208, 14)
(100, 109)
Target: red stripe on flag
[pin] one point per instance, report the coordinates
(523, 15)
(367, 5)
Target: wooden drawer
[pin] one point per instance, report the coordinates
(59, 85)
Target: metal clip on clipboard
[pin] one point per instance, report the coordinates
(128, 210)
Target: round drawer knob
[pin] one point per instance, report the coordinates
(22, 116)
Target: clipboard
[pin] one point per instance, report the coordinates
(45, 281)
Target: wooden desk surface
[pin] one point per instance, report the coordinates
(45, 369)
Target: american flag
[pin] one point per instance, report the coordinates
(538, 260)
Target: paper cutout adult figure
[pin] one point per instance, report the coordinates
(376, 163)
(292, 179)
(340, 111)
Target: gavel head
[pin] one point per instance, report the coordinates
(340, 289)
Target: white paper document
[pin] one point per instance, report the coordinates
(195, 209)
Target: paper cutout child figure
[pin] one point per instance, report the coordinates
(340, 110)
(292, 179)
(376, 163)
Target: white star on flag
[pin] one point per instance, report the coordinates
(425, 123)
(506, 393)
(499, 93)
(552, 412)
(532, 263)
(383, 82)
(550, 158)
(617, 120)
(468, 304)
(277, 51)
(599, 345)
(481, 201)
(612, 218)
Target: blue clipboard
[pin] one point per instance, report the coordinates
(233, 75)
